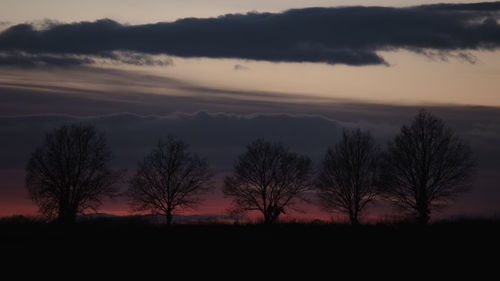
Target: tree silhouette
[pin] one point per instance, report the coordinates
(68, 173)
(268, 178)
(347, 178)
(426, 166)
(169, 178)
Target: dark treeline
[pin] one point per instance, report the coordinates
(424, 167)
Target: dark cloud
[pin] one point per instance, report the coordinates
(476, 7)
(347, 35)
(219, 136)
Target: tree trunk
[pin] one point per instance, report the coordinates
(66, 216)
(274, 217)
(354, 220)
(423, 216)
(355, 214)
(423, 210)
(268, 218)
(272, 214)
(169, 217)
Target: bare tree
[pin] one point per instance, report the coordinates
(68, 173)
(268, 178)
(169, 178)
(426, 166)
(347, 178)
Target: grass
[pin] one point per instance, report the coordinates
(248, 246)
(26, 232)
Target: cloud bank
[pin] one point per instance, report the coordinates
(342, 35)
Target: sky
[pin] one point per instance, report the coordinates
(150, 11)
(221, 73)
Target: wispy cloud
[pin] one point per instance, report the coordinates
(240, 67)
(30, 60)
(20, 59)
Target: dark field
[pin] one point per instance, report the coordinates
(101, 237)
(213, 251)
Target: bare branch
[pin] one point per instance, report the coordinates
(347, 179)
(169, 178)
(268, 178)
(68, 173)
(426, 165)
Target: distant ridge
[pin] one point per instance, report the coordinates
(156, 218)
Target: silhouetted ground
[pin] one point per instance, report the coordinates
(225, 244)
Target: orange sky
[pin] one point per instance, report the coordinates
(409, 79)
(148, 11)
